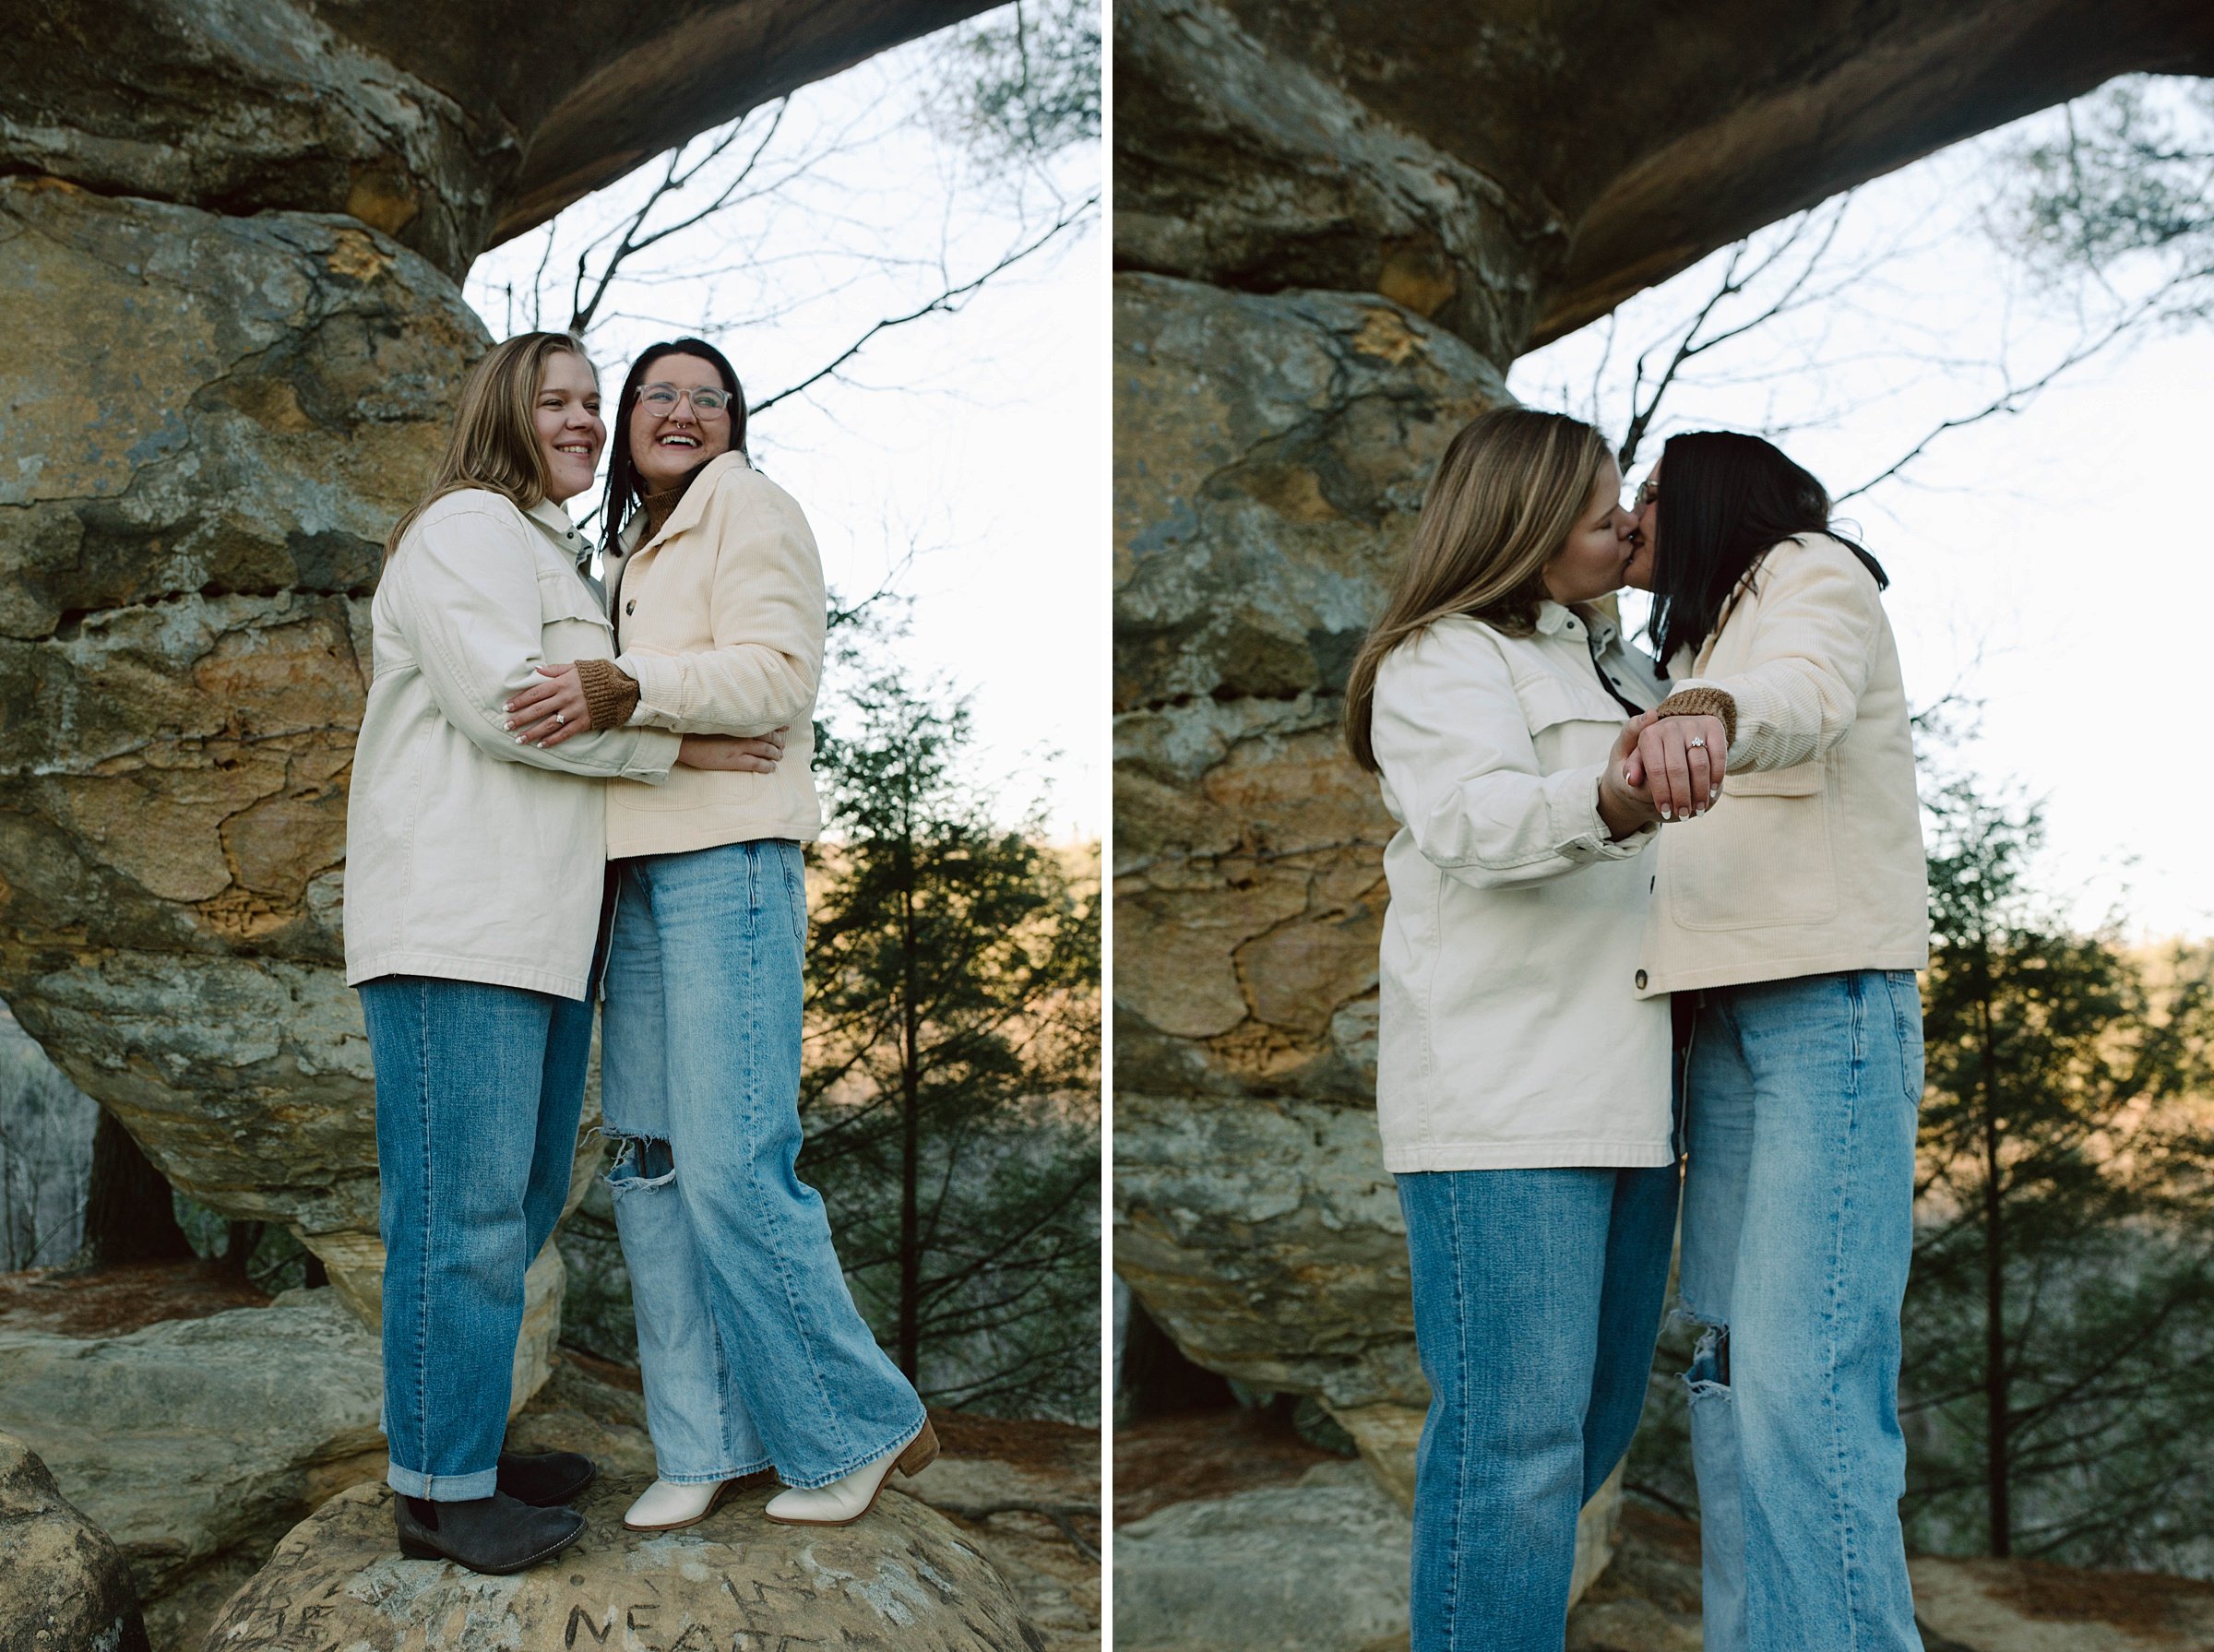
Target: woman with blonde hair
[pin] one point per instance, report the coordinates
(753, 1352)
(475, 863)
(1522, 1087)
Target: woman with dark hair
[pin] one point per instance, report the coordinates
(475, 970)
(1789, 927)
(753, 1353)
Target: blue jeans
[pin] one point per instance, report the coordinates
(1537, 1299)
(1797, 1227)
(751, 1348)
(478, 1090)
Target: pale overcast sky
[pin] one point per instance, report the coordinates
(2053, 564)
(977, 438)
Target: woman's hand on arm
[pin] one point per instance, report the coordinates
(467, 588)
(551, 708)
(744, 755)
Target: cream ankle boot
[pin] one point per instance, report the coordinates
(666, 1507)
(843, 1501)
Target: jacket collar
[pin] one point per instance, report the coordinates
(688, 509)
(555, 521)
(1602, 618)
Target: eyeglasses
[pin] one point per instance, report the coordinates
(661, 399)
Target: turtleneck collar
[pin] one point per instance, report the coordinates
(658, 506)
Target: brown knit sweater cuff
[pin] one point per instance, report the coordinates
(611, 693)
(1702, 702)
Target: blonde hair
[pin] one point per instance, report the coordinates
(1505, 499)
(493, 443)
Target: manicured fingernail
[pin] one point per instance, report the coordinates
(509, 723)
(1665, 814)
(520, 741)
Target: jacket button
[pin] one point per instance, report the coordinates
(630, 607)
(1641, 981)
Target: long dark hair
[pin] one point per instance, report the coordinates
(623, 490)
(1724, 499)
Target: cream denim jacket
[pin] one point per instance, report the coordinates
(1509, 1039)
(722, 617)
(1812, 861)
(468, 855)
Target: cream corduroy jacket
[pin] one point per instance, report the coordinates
(469, 856)
(1508, 1038)
(1813, 860)
(722, 617)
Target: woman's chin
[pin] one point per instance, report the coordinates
(666, 470)
(567, 481)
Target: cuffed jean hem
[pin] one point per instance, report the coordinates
(714, 1476)
(862, 1461)
(443, 1487)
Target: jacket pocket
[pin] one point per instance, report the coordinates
(1762, 860)
(1547, 701)
(1802, 780)
(562, 598)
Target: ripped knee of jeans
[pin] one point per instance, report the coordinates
(1709, 1374)
(640, 1162)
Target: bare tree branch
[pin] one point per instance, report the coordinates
(2015, 397)
(946, 302)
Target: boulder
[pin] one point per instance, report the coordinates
(63, 1584)
(1270, 457)
(902, 1578)
(1321, 1565)
(1026, 1494)
(2033, 1606)
(191, 1438)
(449, 135)
(183, 579)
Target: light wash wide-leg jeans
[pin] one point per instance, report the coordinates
(478, 1091)
(1537, 1299)
(1803, 1100)
(752, 1351)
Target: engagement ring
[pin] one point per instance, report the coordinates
(562, 718)
(1698, 740)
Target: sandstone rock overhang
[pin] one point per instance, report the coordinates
(1513, 172)
(448, 127)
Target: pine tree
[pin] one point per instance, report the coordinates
(2062, 1304)
(951, 1082)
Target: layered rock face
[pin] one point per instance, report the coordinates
(230, 337)
(1335, 224)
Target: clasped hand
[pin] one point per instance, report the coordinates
(552, 709)
(1665, 769)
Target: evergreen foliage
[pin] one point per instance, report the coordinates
(951, 1083)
